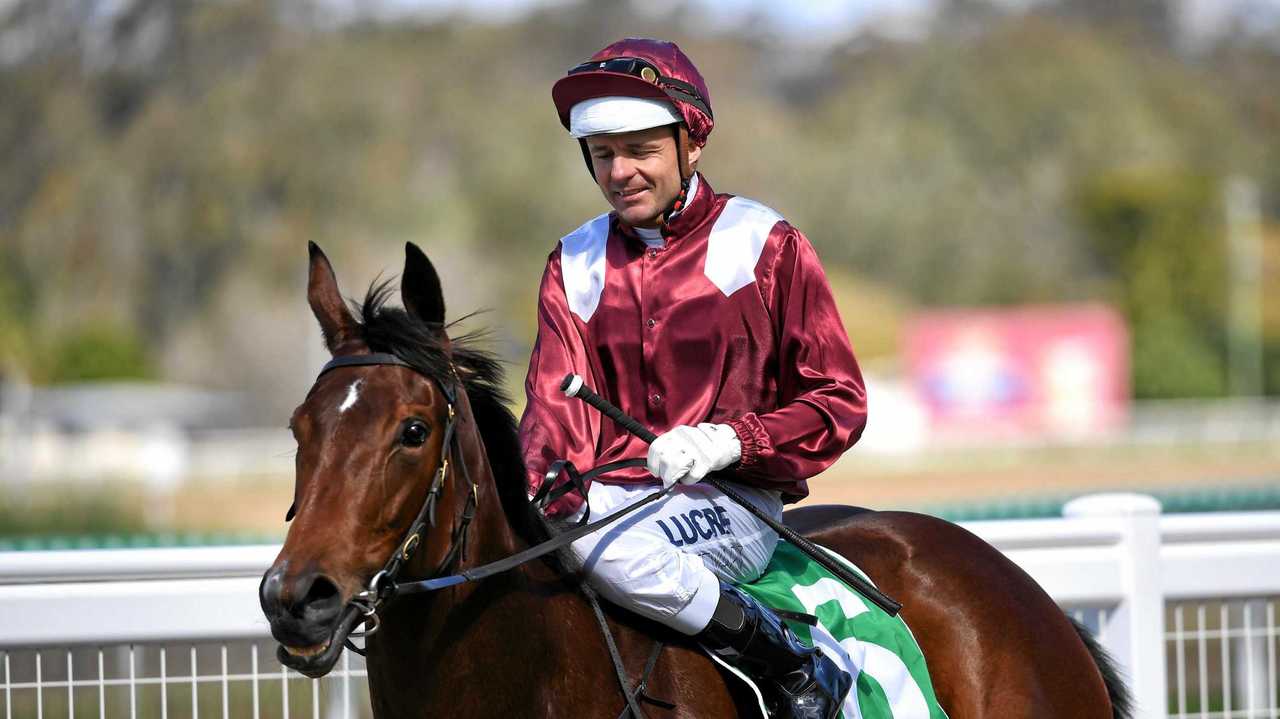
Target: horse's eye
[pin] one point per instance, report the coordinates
(414, 434)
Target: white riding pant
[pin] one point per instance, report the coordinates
(665, 561)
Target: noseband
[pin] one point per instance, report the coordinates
(382, 585)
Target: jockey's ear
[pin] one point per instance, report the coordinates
(339, 327)
(420, 287)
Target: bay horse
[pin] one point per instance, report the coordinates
(407, 420)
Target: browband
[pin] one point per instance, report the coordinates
(373, 358)
(379, 358)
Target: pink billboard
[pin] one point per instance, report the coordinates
(1052, 372)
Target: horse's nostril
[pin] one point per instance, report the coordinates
(322, 599)
(321, 589)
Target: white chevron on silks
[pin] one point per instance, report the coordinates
(737, 239)
(582, 265)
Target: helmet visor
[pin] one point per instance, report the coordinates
(647, 71)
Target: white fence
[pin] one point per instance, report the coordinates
(1187, 603)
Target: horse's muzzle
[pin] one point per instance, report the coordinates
(303, 610)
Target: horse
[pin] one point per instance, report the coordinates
(408, 461)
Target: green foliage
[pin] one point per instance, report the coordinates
(175, 194)
(71, 509)
(1170, 360)
(97, 352)
(1157, 236)
(1271, 368)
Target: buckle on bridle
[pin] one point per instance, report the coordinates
(370, 600)
(410, 545)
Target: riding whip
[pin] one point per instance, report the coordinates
(574, 386)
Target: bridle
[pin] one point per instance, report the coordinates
(383, 584)
(364, 606)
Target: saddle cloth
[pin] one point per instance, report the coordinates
(891, 680)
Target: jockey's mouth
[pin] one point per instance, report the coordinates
(625, 194)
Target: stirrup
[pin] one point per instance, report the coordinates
(799, 682)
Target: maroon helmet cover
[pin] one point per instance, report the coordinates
(670, 61)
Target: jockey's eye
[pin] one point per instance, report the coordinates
(414, 434)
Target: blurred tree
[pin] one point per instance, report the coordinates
(97, 352)
(166, 162)
(1158, 233)
(1155, 20)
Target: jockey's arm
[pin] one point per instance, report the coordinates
(553, 426)
(822, 400)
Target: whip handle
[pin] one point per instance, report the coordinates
(573, 386)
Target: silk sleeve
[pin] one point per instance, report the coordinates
(822, 400)
(554, 426)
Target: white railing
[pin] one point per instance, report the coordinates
(1135, 573)
(1187, 603)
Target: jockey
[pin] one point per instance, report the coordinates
(708, 318)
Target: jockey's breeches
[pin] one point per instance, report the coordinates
(665, 561)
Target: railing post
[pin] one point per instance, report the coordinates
(1134, 632)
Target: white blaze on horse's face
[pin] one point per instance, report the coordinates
(353, 393)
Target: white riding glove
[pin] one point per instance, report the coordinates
(687, 454)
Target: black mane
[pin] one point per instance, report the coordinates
(393, 330)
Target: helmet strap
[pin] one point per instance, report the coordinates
(586, 157)
(681, 134)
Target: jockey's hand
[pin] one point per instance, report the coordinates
(687, 454)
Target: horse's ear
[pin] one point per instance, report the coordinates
(336, 322)
(420, 287)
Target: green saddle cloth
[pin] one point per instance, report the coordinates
(891, 680)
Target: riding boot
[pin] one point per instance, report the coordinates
(797, 682)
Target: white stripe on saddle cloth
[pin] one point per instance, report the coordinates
(906, 701)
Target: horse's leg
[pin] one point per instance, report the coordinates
(997, 645)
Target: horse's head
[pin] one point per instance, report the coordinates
(371, 435)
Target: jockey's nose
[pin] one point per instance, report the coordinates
(305, 601)
(620, 171)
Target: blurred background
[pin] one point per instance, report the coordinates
(1053, 228)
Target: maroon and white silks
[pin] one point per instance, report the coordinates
(731, 321)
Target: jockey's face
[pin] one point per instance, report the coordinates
(639, 172)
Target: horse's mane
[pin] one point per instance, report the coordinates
(393, 330)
